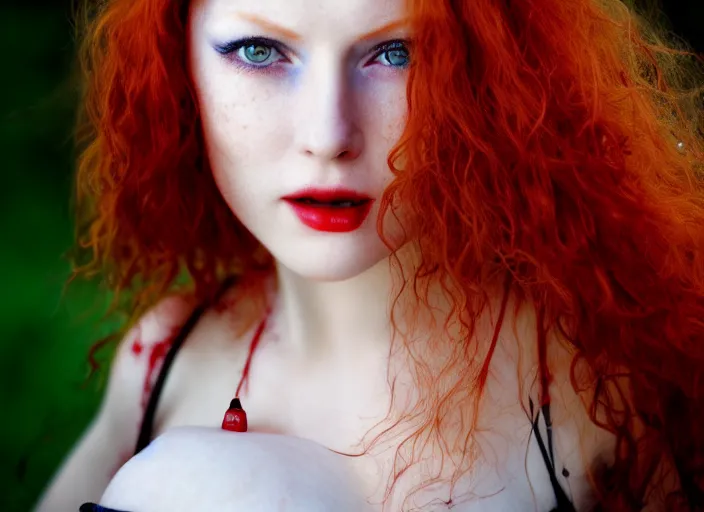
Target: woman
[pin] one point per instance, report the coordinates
(457, 244)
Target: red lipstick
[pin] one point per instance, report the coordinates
(331, 210)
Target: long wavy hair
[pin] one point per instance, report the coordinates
(553, 144)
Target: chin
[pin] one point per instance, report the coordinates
(333, 259)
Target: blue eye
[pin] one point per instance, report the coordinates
(258, 53)
(252, 52)
(396, 53)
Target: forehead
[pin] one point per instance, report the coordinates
(337, 19)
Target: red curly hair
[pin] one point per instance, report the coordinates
(552, 144)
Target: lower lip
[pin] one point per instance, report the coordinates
(329, 218)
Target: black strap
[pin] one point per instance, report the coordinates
(564, 504)
(147, 427)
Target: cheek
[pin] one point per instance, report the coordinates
(386, 111)
(243, 144)
(395, 116)
(238, 127)
(236, 109)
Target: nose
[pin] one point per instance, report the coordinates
(328, 125)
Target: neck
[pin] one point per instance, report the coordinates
(343, 316)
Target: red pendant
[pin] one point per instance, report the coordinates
(235, 419)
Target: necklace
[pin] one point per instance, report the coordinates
(235, 419)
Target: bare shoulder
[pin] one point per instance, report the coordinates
(110, 439)
(141, 351)
(584, 449)
(205, 372)
(153, 330)
(579, 446)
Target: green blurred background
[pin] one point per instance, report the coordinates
(44, 334)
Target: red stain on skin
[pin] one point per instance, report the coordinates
(137, 347)
(156, 357)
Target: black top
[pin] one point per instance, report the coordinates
(145, 433)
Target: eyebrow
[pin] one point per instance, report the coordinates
(290, 34)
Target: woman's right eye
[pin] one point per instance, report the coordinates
(253, 52)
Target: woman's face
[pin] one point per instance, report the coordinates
(313, 98)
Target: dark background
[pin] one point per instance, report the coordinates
(45, 402)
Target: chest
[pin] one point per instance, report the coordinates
(345, 407)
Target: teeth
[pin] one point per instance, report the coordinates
(338, 204)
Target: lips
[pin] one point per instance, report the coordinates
(331, 210)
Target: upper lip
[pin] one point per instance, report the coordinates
(326, 195)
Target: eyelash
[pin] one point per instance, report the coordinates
(230, 48)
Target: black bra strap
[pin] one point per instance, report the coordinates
(564, 504)
(147, 427)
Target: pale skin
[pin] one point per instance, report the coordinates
(325, 112)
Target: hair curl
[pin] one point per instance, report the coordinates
(557, 143)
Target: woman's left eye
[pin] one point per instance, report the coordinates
(394, 53)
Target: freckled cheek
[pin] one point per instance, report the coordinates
(246, 126)
(386, 108)
(246, 135)
(394, 124)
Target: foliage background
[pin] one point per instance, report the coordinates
(45, 333)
